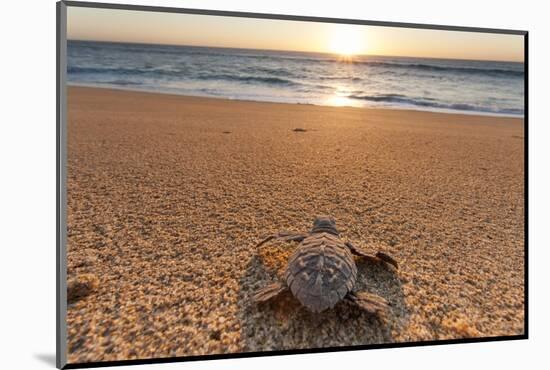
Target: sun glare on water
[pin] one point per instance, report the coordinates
(347, 41)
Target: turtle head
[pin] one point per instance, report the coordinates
(324, 224)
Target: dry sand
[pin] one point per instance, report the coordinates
(167, 196)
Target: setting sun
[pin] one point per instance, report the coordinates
(347, 40)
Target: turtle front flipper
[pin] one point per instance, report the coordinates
(370, 303)
(284, 236)
(267, 292)
(379, 257)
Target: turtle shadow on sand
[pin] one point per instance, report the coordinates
(283, 323)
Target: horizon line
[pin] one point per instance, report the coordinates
(291, 51)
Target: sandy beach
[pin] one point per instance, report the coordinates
(168, 196)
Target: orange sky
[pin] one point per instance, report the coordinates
(202, 30)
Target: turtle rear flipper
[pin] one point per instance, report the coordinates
(269, 291)
(370, 303)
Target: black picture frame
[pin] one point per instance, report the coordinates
(61, 188)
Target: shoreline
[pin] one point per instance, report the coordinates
(398, 108)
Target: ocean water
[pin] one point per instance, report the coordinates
(494, 88)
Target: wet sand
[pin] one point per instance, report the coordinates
(168, 195)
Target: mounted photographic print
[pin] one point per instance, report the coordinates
(237, 184)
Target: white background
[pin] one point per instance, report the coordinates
(27, 182)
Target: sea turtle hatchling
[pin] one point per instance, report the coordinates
(322, 272)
